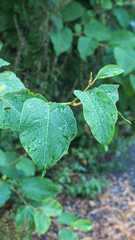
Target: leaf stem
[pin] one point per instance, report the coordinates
(19, 195)
(90, 83)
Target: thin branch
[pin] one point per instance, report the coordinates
(18, 194)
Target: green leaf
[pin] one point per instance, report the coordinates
(122, 38)
(67, 234)
(46, 130)
(72, 11)
(109, 71)
(3, 63)
(2, 87)
(61, 40)
(125, 58)
(12, 103)
(11, 82)
(95, 29)
(57, 21)
(122, 16)
(51, 207)
(42, 222)
(9, 168)
(4, 193)
(83, 224)
(2, 158)
(106, 4)
(86, 46)
(26, 165)
(111, 90)
(36, 188)
(119, 2)
(78, 28)
(67, 218)
(25, 214)
(100, 113)
(132, 81)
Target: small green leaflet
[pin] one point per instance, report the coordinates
(122, 38)
(72, 11)
(3, 63)
(26, 165)
(111, 90)
(100, 113)
(42, 222)
(95, 29)
(46, 130)
(109, 71)
(4, 193)
(51, 207)
(86, 46)
(67, 218)
(83, 224)
(38, 189)
(9, 169)
(125, 57)
(67, 234)
(62, 40)
(106, 4)
(25, 214)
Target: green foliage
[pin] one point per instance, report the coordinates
(67, 218)
(86, 47)
(46, 130)
(51, 40)
(4, 193)
(100, 117)
(51, 207)
(47, 43)
(88, 189)
(67, 234)
(109, 71)
(36, 194)
(42, 222)
(61, 40)
(9, 231)
(38, 189)
(83, 224)
(46, 139)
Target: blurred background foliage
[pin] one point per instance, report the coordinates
(53, 45)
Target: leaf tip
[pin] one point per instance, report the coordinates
(106, 148)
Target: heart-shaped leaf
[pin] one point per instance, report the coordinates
(46, 130)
